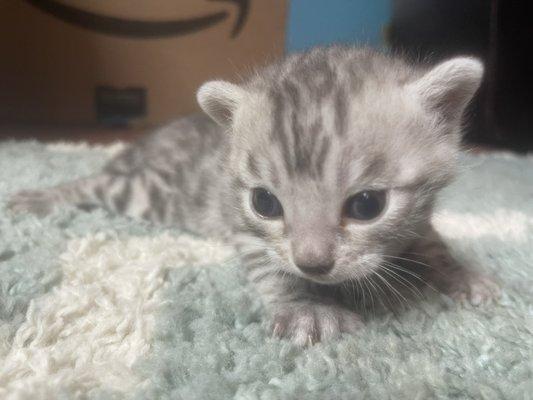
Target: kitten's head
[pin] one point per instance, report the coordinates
(336, 154)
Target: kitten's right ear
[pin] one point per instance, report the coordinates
(219, 100)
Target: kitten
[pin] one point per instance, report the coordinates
(322, 169)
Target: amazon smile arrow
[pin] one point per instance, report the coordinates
(137, 28)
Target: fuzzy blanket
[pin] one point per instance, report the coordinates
(101, 307)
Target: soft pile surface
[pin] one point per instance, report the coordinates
(101, 307)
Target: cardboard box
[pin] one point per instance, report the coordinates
(79, 61)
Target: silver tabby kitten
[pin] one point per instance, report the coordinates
(322, 169)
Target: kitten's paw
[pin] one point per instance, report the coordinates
(309, 323)
(477, 290)
(39, 202)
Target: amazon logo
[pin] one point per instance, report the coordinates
(142, 29)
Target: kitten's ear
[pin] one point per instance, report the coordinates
(219, 100)
(448, 87)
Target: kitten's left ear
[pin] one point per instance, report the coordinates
(219, 100)
(449, 87)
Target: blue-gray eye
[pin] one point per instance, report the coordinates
(266, 204)
(366, 205)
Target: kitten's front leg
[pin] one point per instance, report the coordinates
(302, 314)
(451, 277)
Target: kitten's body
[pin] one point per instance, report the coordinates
(313, 129)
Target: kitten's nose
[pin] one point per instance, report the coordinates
(313, 256)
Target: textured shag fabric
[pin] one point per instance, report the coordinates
(101, 307)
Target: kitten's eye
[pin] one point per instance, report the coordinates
(365, 206)
(266, 204)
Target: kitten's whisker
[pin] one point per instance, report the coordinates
(394, 291)
(388, 266)
(402, 269)
(354, 294)
(401, 280)
(397, 294)
(409, 260)
(359, 281)
(392, 276)
(370, 294)
(437, 270)
(377, 283)
(411, 273)
(372, 285)
(413, 233)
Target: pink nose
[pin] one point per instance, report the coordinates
(313, 256)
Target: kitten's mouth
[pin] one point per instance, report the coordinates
(338, 274)
(324, 279)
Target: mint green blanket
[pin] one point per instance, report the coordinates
(99, 306)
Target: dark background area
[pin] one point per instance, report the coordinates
(497, 31)
(500, 33)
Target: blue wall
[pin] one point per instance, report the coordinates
(320, 22)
